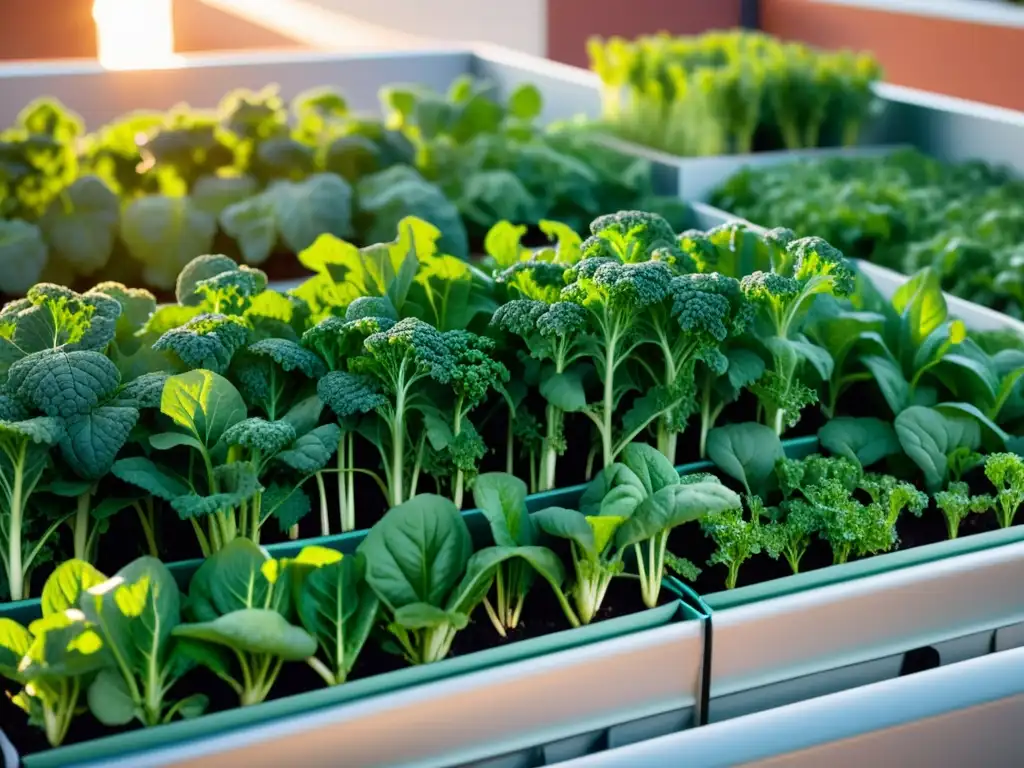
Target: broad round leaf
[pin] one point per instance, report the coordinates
(254, 630)
(673, 506)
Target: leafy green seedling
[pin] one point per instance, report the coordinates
(736, 538)
(57, 656)
(242, 611)
(1006, 472)
(502, 499)
(421, 565)
(134, 613)
(337, 607)
(956, 503)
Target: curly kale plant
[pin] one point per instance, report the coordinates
(800, 270)
(1006, 472)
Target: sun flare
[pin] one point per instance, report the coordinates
(134, 34)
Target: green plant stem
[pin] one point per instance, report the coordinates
(952, 526)
(81, 526)
(321, 669)
(650, 563)
(733, 575)
(460, 476)
(608, 402)
(147, 520)
(325, 525)
(1005, 512)
(549, 455)
(398, 446)
(15, 567)
(57, 717)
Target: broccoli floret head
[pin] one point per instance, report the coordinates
(769, 287)
(519, 316)
(371, 307)
(475, 371)
(631, 236)
(349, 394)
(408, 341)
(625, 287)
(544, 273)
(290, 356)
(336, 339)
(524, 317)
(1005, 471)
(820, 264)
(563, 318)
(710, 304)
(259, 435)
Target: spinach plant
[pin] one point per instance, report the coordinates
(421, 564)
(336, 606)
(135, 613)
(57, 656)
(502, 499)
(242, 627)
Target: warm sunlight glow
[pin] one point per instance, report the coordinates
(134, 34)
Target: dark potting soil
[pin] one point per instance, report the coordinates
(541, 616)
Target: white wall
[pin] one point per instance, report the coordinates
(518, 24)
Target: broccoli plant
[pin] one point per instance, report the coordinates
(351, 396)
(699, 313)
(616, 295)
(400, 361)
(957, 502)
(1006, 472)
(475, 373)
(801, 270)
(552, 333)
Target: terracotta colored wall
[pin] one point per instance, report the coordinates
(46, 29)
(57, 29)
(198, 27)
(571, 22)
(972, 61)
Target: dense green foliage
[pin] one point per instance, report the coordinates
(140, 197)
(901, 210)
(723, 92)
(224, 415)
